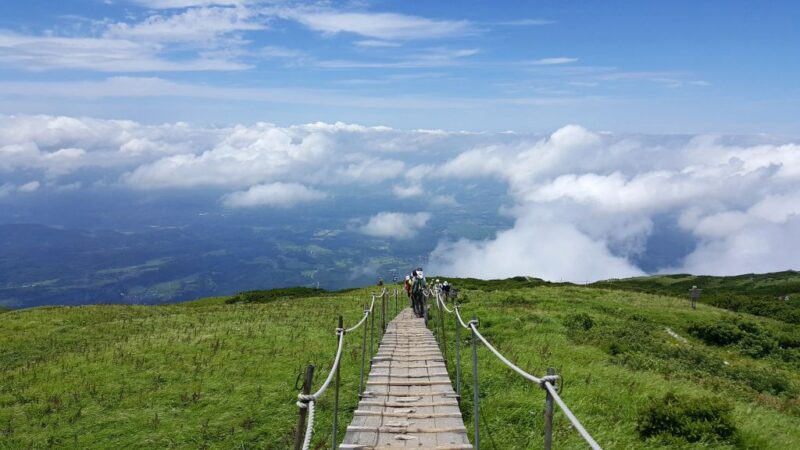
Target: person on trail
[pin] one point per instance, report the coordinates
(446, 289)
(407, 286)
(418, 285)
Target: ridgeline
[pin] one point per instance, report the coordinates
(640, 368)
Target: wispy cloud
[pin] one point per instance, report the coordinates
(382, 26)
(39, 53)
(203, 26)
(524, 22)
(553, 61)
(174, 4)
(430, 57)
(374, 43)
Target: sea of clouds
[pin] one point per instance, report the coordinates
(584, 203)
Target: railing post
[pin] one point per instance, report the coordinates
(301, 420)
(548, 414)
(443, 341)
(363, 356)
(476, 409)
(383, 313)
(371, 332)
(458, 356)
(340, 335)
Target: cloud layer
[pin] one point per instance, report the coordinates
(395, 225)
(585, 205)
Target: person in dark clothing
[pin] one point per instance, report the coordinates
(418, 285)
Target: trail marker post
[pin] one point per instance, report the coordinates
(694, 294)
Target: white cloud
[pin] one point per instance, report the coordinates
(383, 26)
(598, 197)
(601, 194)
(554, 251)
(395, 225)
(553, 61)
(279, 195)
(412, 190)
(37, 53)
(374, 43)
(173, 4)
(203, 26)
(31, 186)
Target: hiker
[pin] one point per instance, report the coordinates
(446, 289)
(407, 286)
(418, 284)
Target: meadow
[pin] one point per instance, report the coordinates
(221, 372)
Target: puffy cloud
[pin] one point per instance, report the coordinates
(395, 225)
(279, 195)
(554, 251)
(599, 195)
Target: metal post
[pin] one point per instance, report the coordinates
(363, 356)
(336, 390)
(458, 357)
(371, 333)
(444, 336)
(548, 415)
(301, 420)
(476, 409)
(383, 313)
(425, 309)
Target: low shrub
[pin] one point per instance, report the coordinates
(275, 294)
(719, 333)
(579, 322)
(688, 418)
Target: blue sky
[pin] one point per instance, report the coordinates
(651, 67)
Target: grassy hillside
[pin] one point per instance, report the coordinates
(211, 374)
(759, 294)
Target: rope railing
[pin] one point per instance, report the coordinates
(547, 382)
(306, 401)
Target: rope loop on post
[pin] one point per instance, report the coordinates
(552, 379)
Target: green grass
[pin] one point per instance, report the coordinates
(759, 294)
(209, 374)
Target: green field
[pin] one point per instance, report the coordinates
(211, 374)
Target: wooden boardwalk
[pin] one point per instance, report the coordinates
(409, 401)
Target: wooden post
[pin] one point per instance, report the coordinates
(548, 415)
(340, 336)
(476, 409)
(301, 420)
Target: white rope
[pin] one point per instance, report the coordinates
(310, 427)
(439, 299)
(459, 317)
(363, 319)
(526, 375)
(303, 398)
(575, 422)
